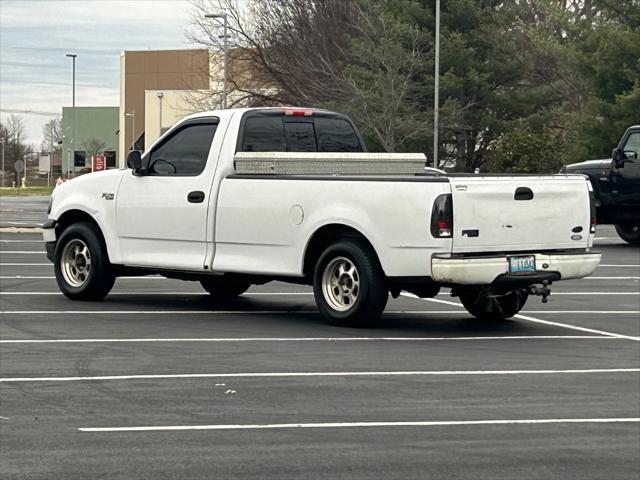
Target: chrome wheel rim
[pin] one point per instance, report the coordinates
(341, 284)
(76, 263)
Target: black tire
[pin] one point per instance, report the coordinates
(487, 303)
(368, 297)
(98, 277)
(222, 287)
(629, 233)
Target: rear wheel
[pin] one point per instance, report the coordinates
(489, 303)
(349, 284)
(81, 263)
(629, 233)
(222, 287)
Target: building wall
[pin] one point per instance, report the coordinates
(91, 123)
(154, 70)
(176, 104)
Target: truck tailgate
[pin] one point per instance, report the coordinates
(492, 214)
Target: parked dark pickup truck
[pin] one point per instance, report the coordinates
(616, 185)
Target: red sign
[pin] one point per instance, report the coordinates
(99, 162)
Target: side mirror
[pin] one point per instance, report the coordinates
(618, 157)
(134, 160)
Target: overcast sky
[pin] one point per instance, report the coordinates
(36, 35)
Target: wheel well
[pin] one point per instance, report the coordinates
(75, 216)
(322, 238)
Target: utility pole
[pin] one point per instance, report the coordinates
(160, 95)
(226, 54)
(436, 88)
(2, 142)
(73, 121)
(133, 128)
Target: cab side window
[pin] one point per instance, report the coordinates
(184, 153)
(632, 146)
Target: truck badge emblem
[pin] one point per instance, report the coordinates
(107, 196)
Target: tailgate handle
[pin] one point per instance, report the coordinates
(523, 193)
(195, 197)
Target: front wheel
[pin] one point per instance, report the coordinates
(81, 263)
(629, 233)
(349, 284)
(488, 303)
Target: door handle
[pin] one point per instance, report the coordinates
(523, 193)
(195, 197)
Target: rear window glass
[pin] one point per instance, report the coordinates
(336, 135)
(263, 134)
(301, 137)
(275, 133)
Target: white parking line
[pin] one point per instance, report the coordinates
(316, 374)
(271, 426)
(611, 278)
(252, 294)
(308, 339)
(583, 312)
(152, 277)
(459, 311)
(23, 252)
(573, 327)
(537, 320)
(21, 241)
(25, 264)
(51, 277)
(620, 266)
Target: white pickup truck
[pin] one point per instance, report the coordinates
(213, 201)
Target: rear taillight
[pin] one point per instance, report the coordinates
(442, 217)
(592, 210)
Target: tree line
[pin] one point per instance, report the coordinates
(525, 85)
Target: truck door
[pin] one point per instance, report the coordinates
(625, 178)
(162, 212)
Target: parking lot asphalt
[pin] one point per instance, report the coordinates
(23, 212)
(161, 381)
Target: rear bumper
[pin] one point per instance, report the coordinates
(495, 269)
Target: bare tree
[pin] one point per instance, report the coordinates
(15, 148)
(93, 146)
(51, 135)
(323, 53)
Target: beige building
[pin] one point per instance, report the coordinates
(163, 108)
(158, 88)
(156, 71)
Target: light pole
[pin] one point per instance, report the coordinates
(436, 87)
(225, 49)
(133, 128)
(73, 57)
(160, 95)
(2, 142)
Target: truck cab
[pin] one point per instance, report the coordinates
(616, 185)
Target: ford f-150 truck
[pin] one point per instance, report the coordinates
(233, 198)
(616, 184)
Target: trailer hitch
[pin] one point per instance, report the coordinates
(541, 290)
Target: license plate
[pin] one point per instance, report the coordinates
(523, 264)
